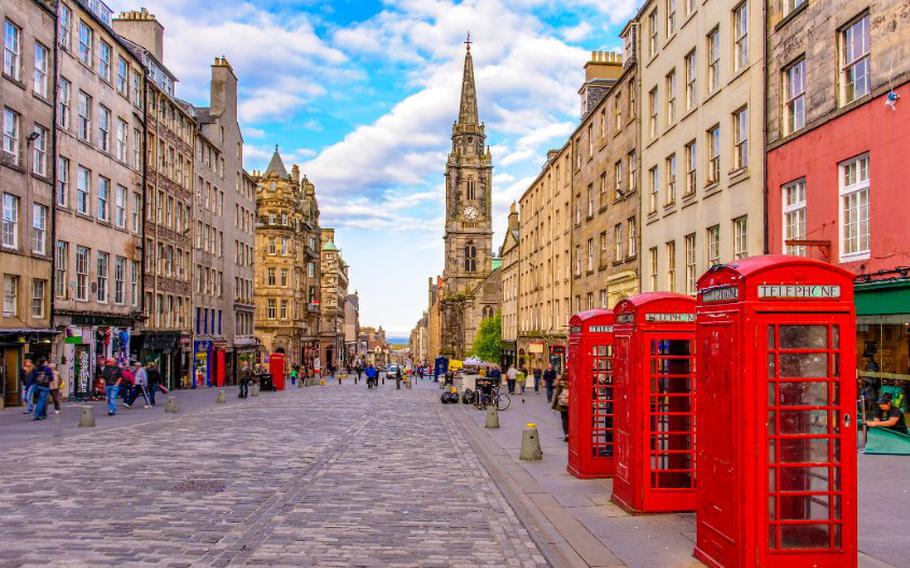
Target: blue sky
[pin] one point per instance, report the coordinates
(362, 94)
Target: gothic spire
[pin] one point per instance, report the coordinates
(276, 165)
(467, 112)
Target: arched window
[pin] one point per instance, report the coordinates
(470, 257)
(471, 191)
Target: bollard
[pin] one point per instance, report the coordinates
(220, 398)
(300, 383)
(407, 385)
(493, 418)
(171, 405)
(322, 382)
(87, 417)
(530, 443)
(254, 390)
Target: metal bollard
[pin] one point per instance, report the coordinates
(530, 444)
(220, 398)
(254, 390)
(86, 417)
(171, 405)
(492, 418)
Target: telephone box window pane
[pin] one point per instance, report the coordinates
(804, 365)
(806, 393)
(771, 339)
(772, 423)
(803, 337)
(835, 336)
(804, 479)
(671, 347)
(772, 368)
(804, 422)
(804, 536)
(804, 450)
(804, 507)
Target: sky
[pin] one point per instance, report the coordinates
(362, 95)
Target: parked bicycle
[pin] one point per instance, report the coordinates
(494, 396)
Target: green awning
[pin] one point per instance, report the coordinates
(883, 297)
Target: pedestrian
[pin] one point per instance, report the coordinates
(244, 379)
(140, 387)
(537, 374)
(295, 370)
(56, 387)
(153, 380)
(398, 378)
(561, 403)
(359, 374)
(112, 379)
(511, 375)
(42, 377)
(549, 377)
(888, 416)
(127, 385)
(495, 376)
(371, 376)
(26, 386)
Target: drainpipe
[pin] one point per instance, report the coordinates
(53, 153)
(764, 128)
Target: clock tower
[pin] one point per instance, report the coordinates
(469, 186)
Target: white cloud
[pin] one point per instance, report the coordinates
(577, 33)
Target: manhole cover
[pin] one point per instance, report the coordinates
(199, 486)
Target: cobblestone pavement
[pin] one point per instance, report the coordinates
(322, 476)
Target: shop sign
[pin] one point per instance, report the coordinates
(720, 294)
(600, 329)
(819, 291)
(74, 339)
(575, 329)
(535, 348)
(670, 318)
(625, 318)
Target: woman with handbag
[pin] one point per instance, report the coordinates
(561, 403)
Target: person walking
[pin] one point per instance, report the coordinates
(42, 377)
(295, 371)
(537, 374)
(549, 377)
(26, 386)
(511, 375)
(140, 380)
(561, 403)
(398, 378)
(111, 375)
(153, 380)
(127, 385)
(56, 387)
(244, 379)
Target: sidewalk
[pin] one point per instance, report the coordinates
(578, 521)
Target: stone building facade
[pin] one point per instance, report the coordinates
(332, 296)
(166, 336)
(508, 252)
(99, 196)
(605, 201)
(26, 187)
(701, 106)
(352, 328)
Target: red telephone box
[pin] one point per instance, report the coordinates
(776, 339)
(276, 369)
(591, 394)
(654, 430)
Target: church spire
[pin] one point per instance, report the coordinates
(467, 113)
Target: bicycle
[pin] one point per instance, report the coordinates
(501, 399)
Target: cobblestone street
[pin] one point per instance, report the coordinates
(322, 476)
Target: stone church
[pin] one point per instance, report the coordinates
(471, 277)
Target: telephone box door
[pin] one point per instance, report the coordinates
(810, 440)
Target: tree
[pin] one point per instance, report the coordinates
(488, 341)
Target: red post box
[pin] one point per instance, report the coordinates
(276, 369)
(776, 462)
(591, 394)
(654, 340)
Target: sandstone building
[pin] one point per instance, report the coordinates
(332, 297)
(509, 253)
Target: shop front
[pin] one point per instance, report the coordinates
(85, 343)
(509, 353)
(169, 350)
(15, 345)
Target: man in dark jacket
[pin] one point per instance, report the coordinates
(398, 377)
(153, 377)
(41, 378)
(549, 378)
(111, 375)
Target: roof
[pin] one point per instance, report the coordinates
(753, 265)
(276, 166)
(496, 263)
(646, 298)
(590, 314)
(329, 245)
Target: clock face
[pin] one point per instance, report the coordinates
(470, 212)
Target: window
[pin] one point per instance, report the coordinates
(794, 212)
(652, 268)
(284, 309)
(791, 5)
(11, 134)
(104, 60)
(854, 60)
(120, 206)
(740, 237)
(311, 270)
(40, 77)
(136, 224)
(617, 180)
(119, 280)
(713, 155)
(590, 255)
(652, 113)
(63, 103)
(854, 208)
(270, 276)
(86, 43)
(604, 249)
(10, 296)
(671, 17)
(652, 33)
(470, 257)
(104, 128)
(691, 76)
(590, 140)
(104, 197)
(690, 264)
(670, 196)
(633, 171)
(39, 151)
(39, 228)
(60, 267)
(284, 244)
(66, 25)
(795, 96)
(590, 200)
(123, 69)
(137, 147)
(82, 259)
(652, 194)
(84, 121)
(12, 49)
(103, 261)
(713, 48)
(122, 139)
(272, 247)
(617, 113)
(284, 277)
(713, 244)
(83, 190)
(671, 266)
(617, 243)
(632, 223)
(741, 139)
(134, 284)
(671, 97)
(741, 36)
(10, 227)
(691, 162)
(470, 189)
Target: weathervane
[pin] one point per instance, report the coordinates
(468, 42)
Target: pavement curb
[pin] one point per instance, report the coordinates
(535, 508)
